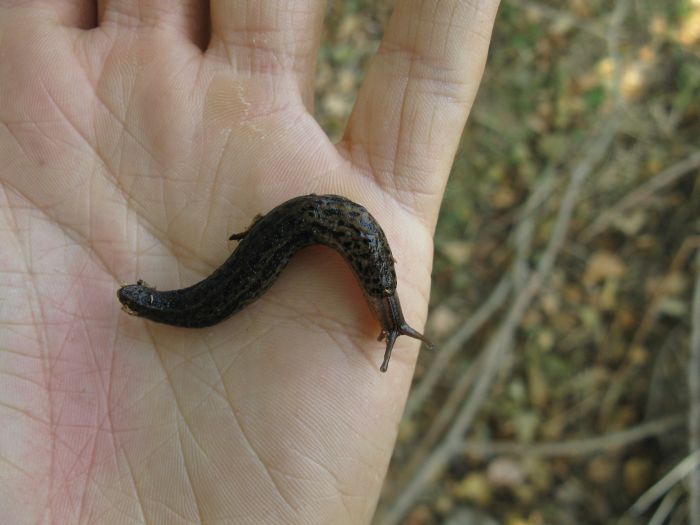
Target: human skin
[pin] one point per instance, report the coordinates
(135, 138)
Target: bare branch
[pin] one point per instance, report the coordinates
(519, 273)
(666, 506)
(619, 380)
(440, 422)
(643, 193)
(661, 487)
(526, 225)
(502, 340)
(576, 447)
(506, 332)
(694, 391)
(454, 344)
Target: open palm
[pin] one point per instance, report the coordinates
(128, 152)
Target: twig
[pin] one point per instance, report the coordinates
(576, 447)
(666, 506)
(628, 369)
(519, 271)
(439, 423)
(454, 344)
(680, 259)
(694, 411)
(661, 487)
(502, 340)
(525, 228)
(643, 193)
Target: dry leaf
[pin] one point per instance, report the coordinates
(503, 198)
(505, 472)
(689, 31)
(458, 252)
(475, 488)
(442, 321)
(538, 391)
(637, 474)
(630, 223)
(601, 470)
(603, 265)
(633, 83)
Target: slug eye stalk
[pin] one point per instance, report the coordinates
(388, 311)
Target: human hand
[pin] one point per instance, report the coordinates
(128, 152)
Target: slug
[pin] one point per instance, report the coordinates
(264, 251)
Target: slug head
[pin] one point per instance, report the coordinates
(136, 298)
(388, 311)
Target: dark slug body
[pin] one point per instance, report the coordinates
(264, 251)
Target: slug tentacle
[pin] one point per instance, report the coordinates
(265, 249)
(388, 312)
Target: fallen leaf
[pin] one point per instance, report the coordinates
(538, 391)
(633, 83)
(630, 223)
(689, 31)
(603, 265)
(458, 252)
(443, 320)
(600, 470)
(475, 488)
(503, 198)
(637, 475)
(505, 472)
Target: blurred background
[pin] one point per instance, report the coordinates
(566, 283)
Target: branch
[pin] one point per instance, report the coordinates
(666, 506)
(694, 391)
(661, 487)
(619, 380)
(518, 274)
(502, 340)
(526, 220)
(526, 225)
(506, 332)
(643, 193)
(576, 447)
(438, 424)
(454, 344)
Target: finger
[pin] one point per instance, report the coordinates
(271, 37)
(72, 13)
(414, 101)
(189, 17)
